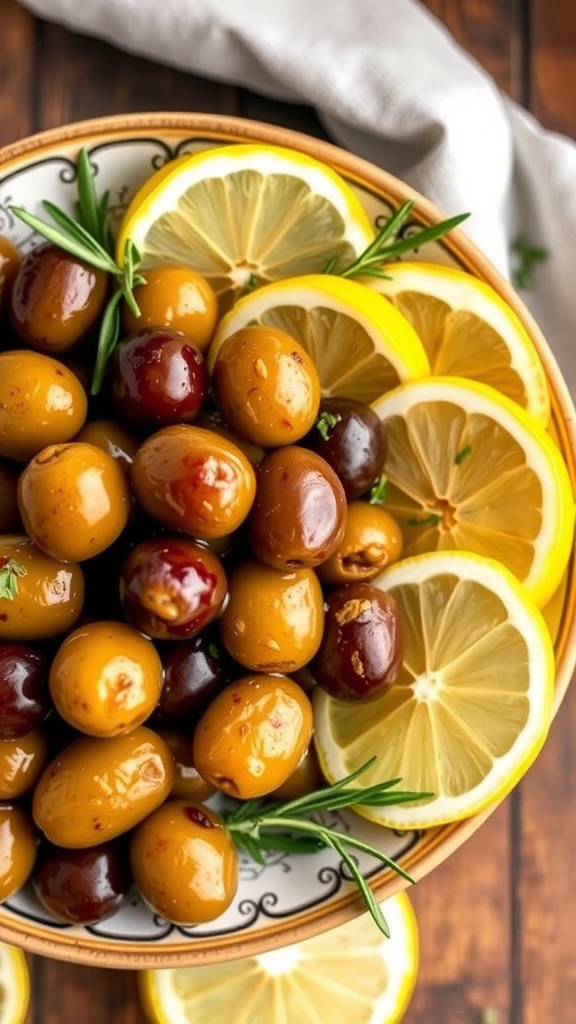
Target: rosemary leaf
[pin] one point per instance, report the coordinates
(64, 241)
(91, 214)
(107, 340)
(372, 904)
(9, 573)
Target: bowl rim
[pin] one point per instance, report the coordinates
(442, 840)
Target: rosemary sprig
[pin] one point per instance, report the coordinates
(387, 246)
(88, 238)
(10, 571)
(260, 825)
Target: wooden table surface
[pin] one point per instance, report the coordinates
(497, 922)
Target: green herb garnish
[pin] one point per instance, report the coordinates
(387, 246)
(88, 238)
(379, 491)
(325, 422)
(463, 454)
(432, 519)
(10, 571)
(527, 258)
(260, 825)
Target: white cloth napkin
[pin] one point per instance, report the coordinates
(389, 83)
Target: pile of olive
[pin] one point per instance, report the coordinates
(182, 557)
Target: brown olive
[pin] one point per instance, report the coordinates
(96, 789)
(372, 540)
(252, 736)
(194, 480)
(105, 678)
(18, 849)
(177, 297)
(188, 783)
(56, 299)
(266, 386)
(82, 886)
(305, 778)
(273, 620)
(21, 763)
(74, 500)
(9, 264)
(41, 402)
(184, 863)
(353, 439)
(112, 437)
(299, 512)
(49, 595)
(362, 646)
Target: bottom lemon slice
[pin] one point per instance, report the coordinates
(14, 985)
(472, 704)
(349, 975)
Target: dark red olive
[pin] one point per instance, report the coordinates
(362, 645)
(352, 438)
(194, 672)
(24, 695)
(159, 377)
(171, 587)
(82, 886)
(56, 299)
(299, 512)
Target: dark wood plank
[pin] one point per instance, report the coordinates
(17, 74)
(552, 80)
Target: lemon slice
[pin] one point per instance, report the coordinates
(14, 985)
(244, 214)
(469, 469)
(473, 701)
(360, 344)
(468, 330)
(352, 973)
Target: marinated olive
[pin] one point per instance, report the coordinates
(193, 480)
(212, 420)
(105, 678)
(18, 848)
(9, 514)
(299, 512)
(22, 760)
(184, 863)
(266, 386)
(24, 696)
(56, 299)
(177, 297)
(372, 540)
(171, 587)
(158, 377)
(188, 783)
(305, 778)
(9, 265)
(82, 886)
(273, 620)
(48, 596)
(74, 500)
(96, 789)
(352, 438)
(362, 646)
(252, 736)
(194, 672)
(113, 438)
(41, 402)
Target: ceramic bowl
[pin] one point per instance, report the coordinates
(291, 897)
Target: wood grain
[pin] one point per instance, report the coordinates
(496, 922)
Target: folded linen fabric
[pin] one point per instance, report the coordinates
(390, 84)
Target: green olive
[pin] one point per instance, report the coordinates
(372, 540)
(97, 789)
(266, 386)
(184, 863)
(112, 437)
(273, 619)
(74, 500)
(21, 762)
(49, 595)
(18, 848)
(105, 678)
(188, 783)
(177, 297)
(252, 736)
(41, 402)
